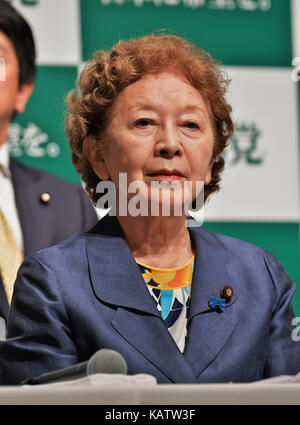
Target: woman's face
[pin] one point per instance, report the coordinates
(159, 130)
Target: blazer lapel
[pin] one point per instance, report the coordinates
(4, 307)
(116, 280)
(32, 220)
(150, 336)
(208, 329)
(37, 219)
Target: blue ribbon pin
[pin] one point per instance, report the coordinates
(217, 302)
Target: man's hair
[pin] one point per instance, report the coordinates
(108, 73)
(17, 30)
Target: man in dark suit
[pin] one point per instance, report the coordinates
(37, 209)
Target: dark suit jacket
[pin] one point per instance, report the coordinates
(87, 293)
(44, 224)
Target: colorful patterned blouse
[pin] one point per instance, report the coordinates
(171, 289)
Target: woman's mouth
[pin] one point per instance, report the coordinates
(165, 174)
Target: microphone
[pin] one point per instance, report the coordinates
(103, 361)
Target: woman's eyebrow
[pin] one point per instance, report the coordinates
(143, 106)
(193, 108)
(146, 106)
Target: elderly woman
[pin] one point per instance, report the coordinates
(178, 302)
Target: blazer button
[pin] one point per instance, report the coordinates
(45, 198)
(227, 293)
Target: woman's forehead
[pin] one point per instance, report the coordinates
(158, 90)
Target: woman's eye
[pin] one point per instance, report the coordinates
(143, 123)
(192, 125)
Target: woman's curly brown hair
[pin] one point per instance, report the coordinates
(108, 73)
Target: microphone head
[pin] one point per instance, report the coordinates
(107, 361)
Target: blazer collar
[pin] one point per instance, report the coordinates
(210, 272)
(116, 280)
(209, 329)
(106, 241)
(4, 307)
(110, 261)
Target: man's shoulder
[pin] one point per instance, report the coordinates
(19, 169)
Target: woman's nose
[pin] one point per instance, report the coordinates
(168, 142)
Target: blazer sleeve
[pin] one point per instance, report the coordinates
(38, 332)
(282, 350)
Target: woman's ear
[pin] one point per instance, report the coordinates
(23, 96)
(207, 179)
(93, 153)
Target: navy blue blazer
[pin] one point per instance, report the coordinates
(87, 293)
(45, 224)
